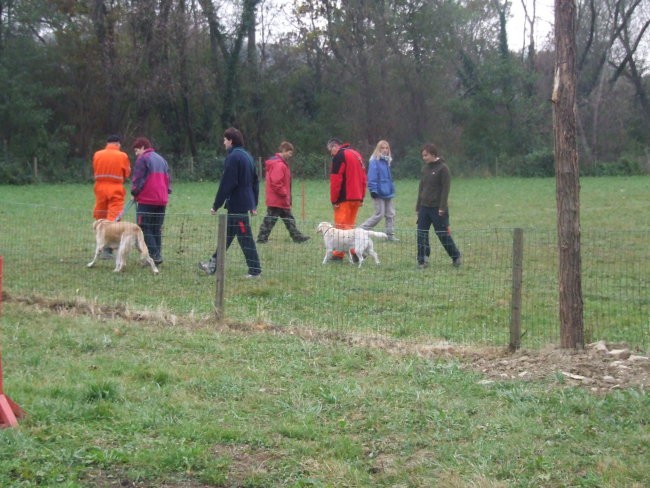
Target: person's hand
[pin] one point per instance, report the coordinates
(335, 205)
(373, 195)
(441, 212)
(254, 212)
(213, 211)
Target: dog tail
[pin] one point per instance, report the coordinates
(380, 235)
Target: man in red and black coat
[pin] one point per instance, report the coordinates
(347, 184)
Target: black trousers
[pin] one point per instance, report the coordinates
(150, 218)
(272, 216)
(428, 216)
(238, 225)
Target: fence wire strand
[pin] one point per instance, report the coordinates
(46, 251)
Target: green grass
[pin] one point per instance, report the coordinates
(177, 402)
(48, 234)
(117, 403)
(619, 202)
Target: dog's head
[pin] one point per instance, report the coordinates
(323, 227)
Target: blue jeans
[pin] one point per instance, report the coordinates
(428, 216)
(238, 225)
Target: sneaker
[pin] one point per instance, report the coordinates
(253, 276)
(158, 261)
(392, 238)
(457, 261)
(423, 265)
(301, 238)
(208, 267)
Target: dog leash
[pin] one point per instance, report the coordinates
(126, 209)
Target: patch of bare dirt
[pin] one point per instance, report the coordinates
(599, 367)
(244, 461)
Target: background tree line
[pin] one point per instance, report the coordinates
(410, 71)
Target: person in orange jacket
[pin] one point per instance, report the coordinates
(111, 168)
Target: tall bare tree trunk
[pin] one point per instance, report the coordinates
(186, 89)
(104, 25)
(567, 176)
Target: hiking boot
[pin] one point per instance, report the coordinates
(456, 262)
(301, 238)
(209, 267)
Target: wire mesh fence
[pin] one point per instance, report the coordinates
(46, 251)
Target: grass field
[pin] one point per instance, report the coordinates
(48, 233)
(168, 399)
(117, 403)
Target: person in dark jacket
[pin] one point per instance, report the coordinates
(239, 193)
(278, 195)
(151, 186)
(432, 207)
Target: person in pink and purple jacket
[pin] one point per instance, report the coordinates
(151, 186)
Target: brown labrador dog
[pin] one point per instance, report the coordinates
(122, 236)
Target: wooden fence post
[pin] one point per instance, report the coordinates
(222, 222)
(517, 275)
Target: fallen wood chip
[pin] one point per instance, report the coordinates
(574, 376)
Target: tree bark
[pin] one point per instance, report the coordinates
(105, 32)
(185, 82)
(567, 177)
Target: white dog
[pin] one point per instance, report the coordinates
(345, 240)
(121, 235)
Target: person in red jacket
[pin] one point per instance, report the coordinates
(347, 185)
(278, 195)
(111, 167)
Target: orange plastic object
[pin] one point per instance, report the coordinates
(9, 410)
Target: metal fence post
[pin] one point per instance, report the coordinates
(517, 275)
(222, 222)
